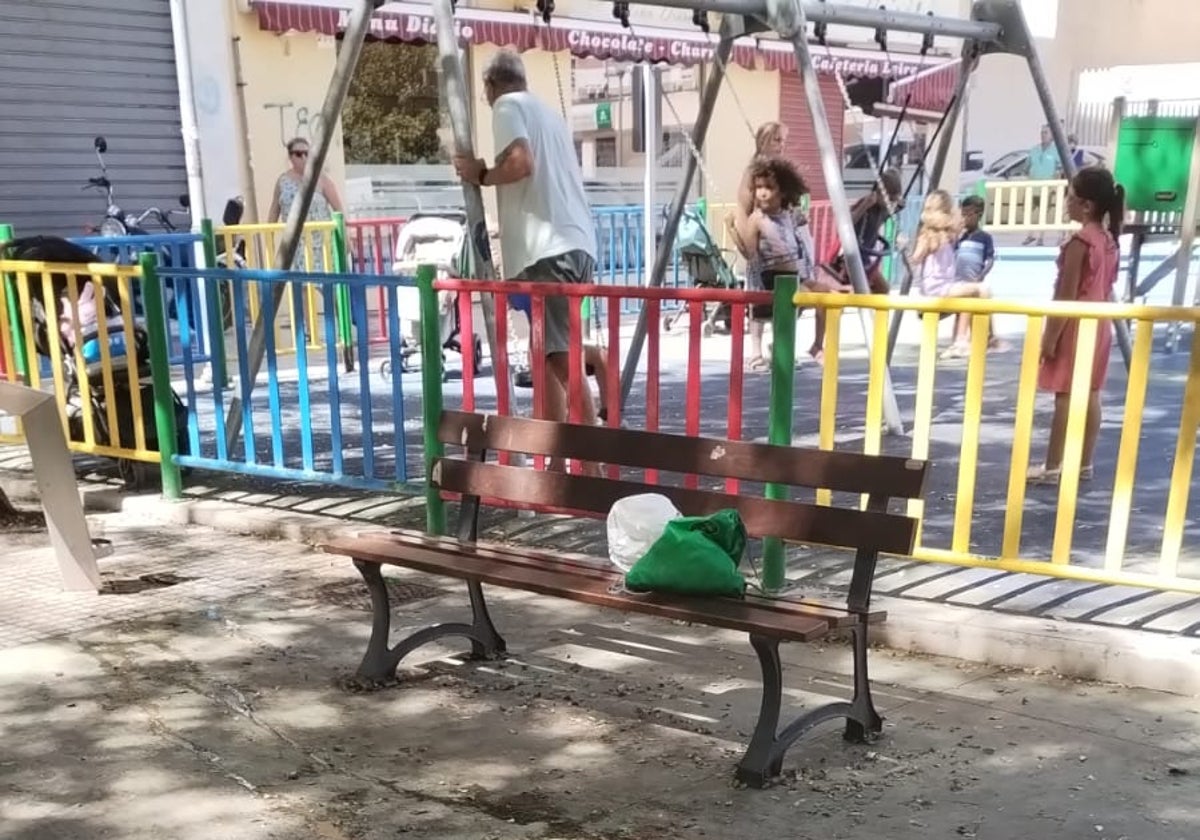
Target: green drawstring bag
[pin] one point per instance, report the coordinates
(696, 555)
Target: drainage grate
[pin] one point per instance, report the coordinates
(353, 593)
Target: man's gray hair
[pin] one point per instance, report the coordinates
(505, 69)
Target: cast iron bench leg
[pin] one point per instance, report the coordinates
(864, 722)
(763, 760)
(760, 764)
(380, 661)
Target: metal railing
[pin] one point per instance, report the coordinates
(321, 249)
(306, 421)
(986, 525)
(107, 369)
(172, 250)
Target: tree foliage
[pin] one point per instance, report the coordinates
(391, 113)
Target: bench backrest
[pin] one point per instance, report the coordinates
(881, 478)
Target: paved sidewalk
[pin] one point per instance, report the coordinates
(1114, 634)
(204, 696)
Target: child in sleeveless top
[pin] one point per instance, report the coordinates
(1087, 271)
(778, 244)
(935, 258)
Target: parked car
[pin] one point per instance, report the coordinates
(1014, 166)
(860, 162)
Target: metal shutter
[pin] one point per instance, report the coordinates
(802, 143)
(73, 69)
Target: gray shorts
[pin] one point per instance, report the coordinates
(571, 267)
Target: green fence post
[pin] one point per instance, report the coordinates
(160, 373)
(12, 307)
(344, 317)
(431, 395)
(779, 414)
(212, 299)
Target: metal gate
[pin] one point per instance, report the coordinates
(71, 70)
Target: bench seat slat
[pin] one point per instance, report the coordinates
(837, 615)
(891, 476)
(727, 613)
(794, 521)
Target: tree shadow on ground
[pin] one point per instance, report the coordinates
(178, 722)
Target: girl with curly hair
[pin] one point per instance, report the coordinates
(777, 243)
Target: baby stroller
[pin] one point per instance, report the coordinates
(438, 239)
(706, 265)
(54, 321)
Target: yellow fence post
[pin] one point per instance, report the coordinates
(1131, 433)
(829, 389)
(1068, 483)
(1022, 436)
(968, 458)
(1181, 475)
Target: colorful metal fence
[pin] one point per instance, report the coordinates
(322, 248)
(986, 527)
(106, 363)
(172, 251)
(374, 245)
(306, 421)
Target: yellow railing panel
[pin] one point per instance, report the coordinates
(37, 279)
(1057, 555)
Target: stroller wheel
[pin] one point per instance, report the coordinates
(478, 357)
(137, 475)
(708, 329)
(385, 369)
(667, 323)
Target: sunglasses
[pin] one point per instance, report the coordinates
(299, 153)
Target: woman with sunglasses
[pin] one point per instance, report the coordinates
(325, 201)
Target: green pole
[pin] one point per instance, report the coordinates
(779, 414)
(12, 303)
(431, 396)
(160, 373)
(344, 319)
(212, 299)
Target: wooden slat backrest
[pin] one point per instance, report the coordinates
(844, 527)
(887, 476)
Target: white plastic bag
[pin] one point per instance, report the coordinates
(634, 524)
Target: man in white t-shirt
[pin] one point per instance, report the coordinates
(546, 232)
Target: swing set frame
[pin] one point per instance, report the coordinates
(994, 26)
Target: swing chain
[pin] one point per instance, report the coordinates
(881, 38)
(709, 184)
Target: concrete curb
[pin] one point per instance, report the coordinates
(1136, 658)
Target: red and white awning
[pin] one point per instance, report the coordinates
(412, 22)
(929, 90)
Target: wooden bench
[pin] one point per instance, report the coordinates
(768, 621)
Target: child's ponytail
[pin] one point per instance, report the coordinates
(1116, 211)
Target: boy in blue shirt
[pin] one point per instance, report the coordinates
(974, 259)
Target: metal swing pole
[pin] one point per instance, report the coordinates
(289, 241)
(454, 95)
(662, 255)
(832, 170)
